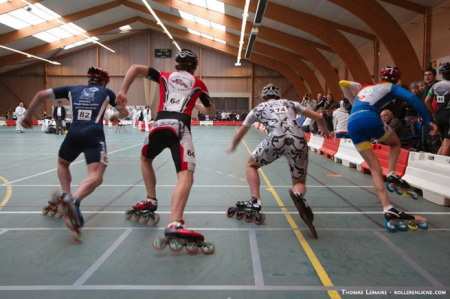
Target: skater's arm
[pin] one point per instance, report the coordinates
(318, 117)
(237, 138)
(36, 102)
(121, 107)
(133, 72)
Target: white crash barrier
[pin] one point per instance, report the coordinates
(431, 174)
(315, 142)
(348, 155)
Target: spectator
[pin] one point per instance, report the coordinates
(394, 124)
(429, 78)
(59, 114)
(19, 113)
(340, 119)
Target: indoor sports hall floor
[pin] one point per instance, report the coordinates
(38, 258)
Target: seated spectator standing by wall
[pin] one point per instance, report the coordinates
(59, 114)
(340, 119)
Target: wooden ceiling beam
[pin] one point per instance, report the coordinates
(408, 5)
(12, 5)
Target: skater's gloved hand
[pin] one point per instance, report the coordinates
(122, 99)
(27, 122)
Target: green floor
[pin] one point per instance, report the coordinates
(38, 258)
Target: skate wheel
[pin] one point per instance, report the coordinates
(192, 248)
(249, 217)
(153, 220)
(413, 195)
(390, 226)
(175, 245)
(44, 211)
(260, 218)
(144, 219)
(390, 187)
(134, 218)
(51, 213)
(412, 225)
(231, 211)
(128, 215)
(401, 226)
(240, 215)
(160, 243)
(423, 225)
(208, 248)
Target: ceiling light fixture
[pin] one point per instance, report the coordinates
(158, 21)
(28, 55)
(90, 38)
(241, 39)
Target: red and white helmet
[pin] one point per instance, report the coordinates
(390, 74)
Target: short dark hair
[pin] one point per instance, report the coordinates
(432, 70)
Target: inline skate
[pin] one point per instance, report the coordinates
(51, 209)
(144, 212)
(250, 210)
(177, 238)
(69, 207)
(305, 211)
(395, 184)
(395, 220)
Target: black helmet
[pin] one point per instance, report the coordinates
(186, 60)
(98, 76)
(445, 68)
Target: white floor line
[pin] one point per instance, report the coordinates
(2, 231)
(256, 259)
(194, 186)
(220, 212)
(74, 163)
(99, 262)
(290, 288)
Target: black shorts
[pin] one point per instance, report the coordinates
(175, 135)
(442, 119)
(89, 140)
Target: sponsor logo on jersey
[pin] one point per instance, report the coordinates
(180, 82)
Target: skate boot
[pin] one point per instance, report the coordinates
(177, 237)
(51, 209)
(305, 211)
(395, 184)
(250, 210)
(395, 220)
(144, 212)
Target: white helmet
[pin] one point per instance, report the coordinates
(270, 91)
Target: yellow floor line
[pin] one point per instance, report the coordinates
(320, 270)
(8, 192)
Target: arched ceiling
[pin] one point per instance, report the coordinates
(335, 34)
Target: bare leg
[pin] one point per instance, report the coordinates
(148, 174)
(64, 176)
(394, 142)
(444, 150)
(377, 176)
(253, 178)
(93, 180)
(180, 194)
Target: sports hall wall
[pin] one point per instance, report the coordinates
(414, 29)
(216, 69)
